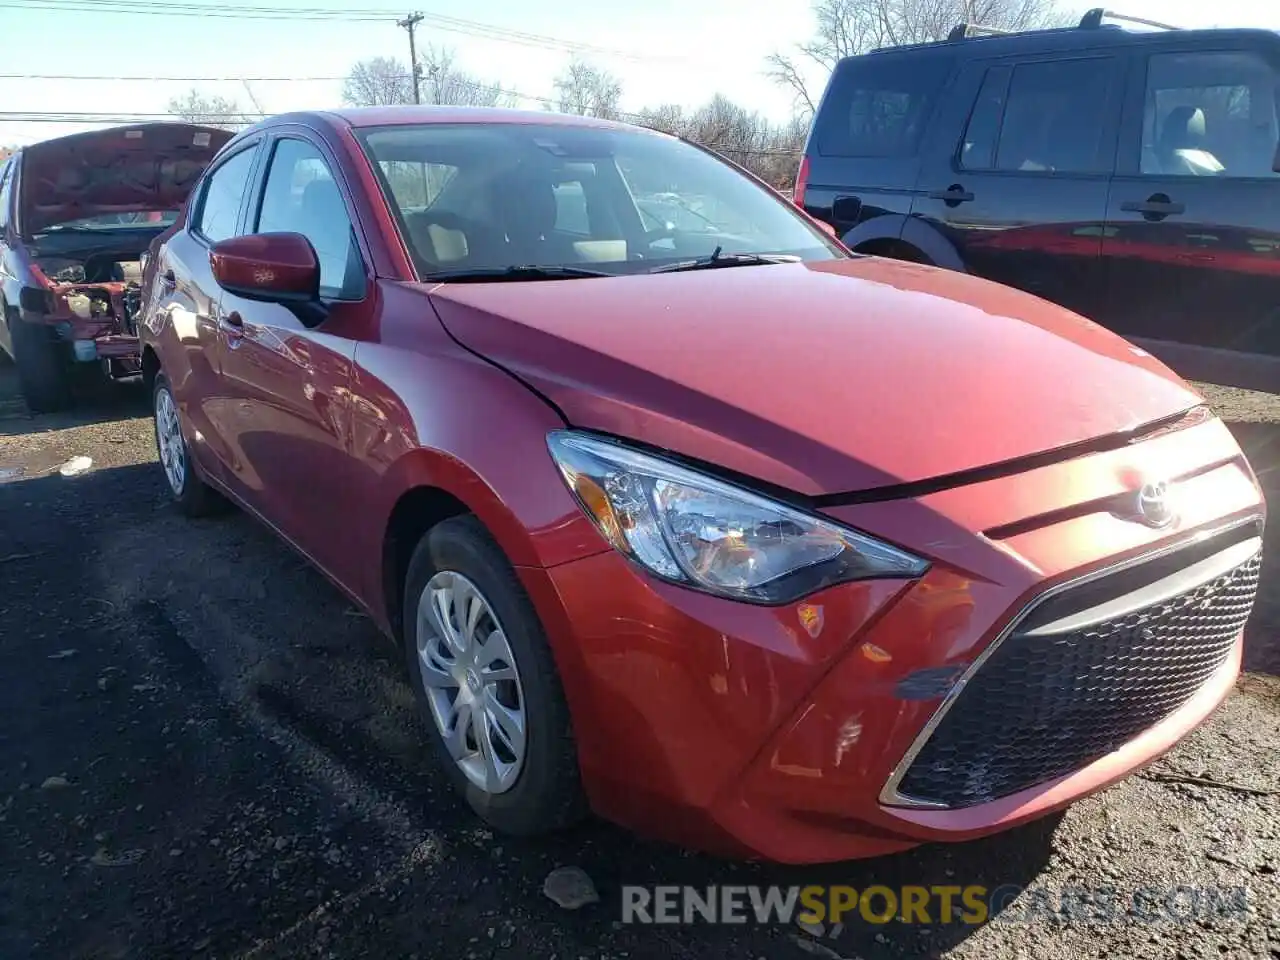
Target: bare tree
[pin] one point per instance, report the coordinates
(588, 91)
(384, 81)
(845, 28)
(771, 151)
(378, 82)
(210, 111)
(445, 84)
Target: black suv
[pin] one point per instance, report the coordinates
(1130, 175)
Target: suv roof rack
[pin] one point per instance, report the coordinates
(1092, 20)
(963, 31)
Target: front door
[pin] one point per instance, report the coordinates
(1193, 238)
(288, 425)
(1018, 173)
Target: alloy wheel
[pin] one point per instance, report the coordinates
(172, 449)
(472, 682)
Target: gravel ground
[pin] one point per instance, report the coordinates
(205, 751)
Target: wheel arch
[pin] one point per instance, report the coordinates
(905, 238)
(428, 486)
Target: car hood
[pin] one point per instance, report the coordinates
(152, 166)
(820, 378)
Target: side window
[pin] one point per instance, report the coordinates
(878, 107)
(1210, 114)
(222, 195)
(978, 151)
(302, 197)
(1054, 117)
(6, 191)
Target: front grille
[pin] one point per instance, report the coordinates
(1042, 706)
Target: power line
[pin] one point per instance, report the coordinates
(449, 24)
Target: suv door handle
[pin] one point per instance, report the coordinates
(169, 279)
(1155, 207)
(952, 195)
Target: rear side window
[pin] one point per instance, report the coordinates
(1054, 117)
(1210, 113)
(220, 208)
(878, 107)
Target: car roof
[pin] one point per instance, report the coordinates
(1073, 38)
(419, 114)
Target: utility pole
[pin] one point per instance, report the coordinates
(409, 23)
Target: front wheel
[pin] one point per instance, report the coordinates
(44, 374)
(189, 491)
(486, 683)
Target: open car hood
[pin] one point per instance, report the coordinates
(150, 166)
(820, 378)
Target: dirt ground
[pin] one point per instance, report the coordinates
(204, 751)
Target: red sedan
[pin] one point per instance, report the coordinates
(681, 512)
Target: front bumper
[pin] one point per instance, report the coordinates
(772, 732)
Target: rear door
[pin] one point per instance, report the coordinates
(1017, 175)
(864, 148)
(186, 295)
(1193, 239)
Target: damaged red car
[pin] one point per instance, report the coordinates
(678, 510)
(76, 217)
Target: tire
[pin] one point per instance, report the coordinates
(190, 493)
(544, 791)
(44, 372)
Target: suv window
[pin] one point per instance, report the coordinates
(878, 107)
(220, 207)
(1210, 114)
(1050, 120)
(302, 197)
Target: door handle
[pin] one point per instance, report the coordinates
(233, 324)
(1155, 207)
(168, 279)
(953, 195)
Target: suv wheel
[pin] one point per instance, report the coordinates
(188, 489)
(44, 374)
(486, 683)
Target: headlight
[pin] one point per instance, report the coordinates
(689, 528)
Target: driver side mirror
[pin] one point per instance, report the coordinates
(268, 267)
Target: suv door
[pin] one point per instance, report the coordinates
(1016, 175)
(184, 294)
(863, 155)
(288, 420)
(1193, 238)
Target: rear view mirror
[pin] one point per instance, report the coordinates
(271, 267)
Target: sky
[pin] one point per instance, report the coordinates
(664, 51)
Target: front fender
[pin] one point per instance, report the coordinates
(450, 421)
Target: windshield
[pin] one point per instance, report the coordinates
(114, 221)
(493, 196)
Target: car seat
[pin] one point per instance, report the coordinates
(1181, 147)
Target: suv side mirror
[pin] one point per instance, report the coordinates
(271, 267)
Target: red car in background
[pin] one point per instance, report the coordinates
(700, 521)
(76, 215)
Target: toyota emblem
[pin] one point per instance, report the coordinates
(1155, 506)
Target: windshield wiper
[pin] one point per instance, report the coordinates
(717, 259)
(523, 272)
